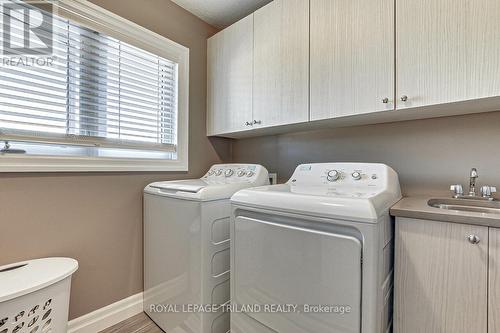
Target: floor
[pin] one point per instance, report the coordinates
(136, 324)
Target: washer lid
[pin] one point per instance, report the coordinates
(28, 276)
(219, 183)
(190, 185)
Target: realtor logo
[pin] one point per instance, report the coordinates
(27, 28)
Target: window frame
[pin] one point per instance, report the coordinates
(96, 18)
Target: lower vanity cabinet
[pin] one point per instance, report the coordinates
(494, 282)
(441, 277)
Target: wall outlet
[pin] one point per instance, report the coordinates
(273, 178)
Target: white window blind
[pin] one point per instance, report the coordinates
(99, 91)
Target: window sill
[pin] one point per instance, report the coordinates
(23, 163)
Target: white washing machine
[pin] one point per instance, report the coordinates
(186, 247)
(315, 255)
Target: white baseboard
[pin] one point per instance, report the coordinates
(107, 316)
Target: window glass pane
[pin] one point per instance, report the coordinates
(96, 87)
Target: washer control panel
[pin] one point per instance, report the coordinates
(346, 179)
(233, 173)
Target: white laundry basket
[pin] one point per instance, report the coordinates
(34, 295)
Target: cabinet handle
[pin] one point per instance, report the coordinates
(385, 100)
(257, 122)
(404, 98)
(473, 239)
(247, 123)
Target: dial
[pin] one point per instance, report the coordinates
(218, 172)
(241, 173)
(250, 174)
(356, 175)
(228, 173)
(333, 175)
(211, 172)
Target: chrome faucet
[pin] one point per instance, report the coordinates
(472, 182)
(486, 191)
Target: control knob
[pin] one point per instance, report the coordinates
(250, 174)
(218, 172)
(241, 173)
(228, 173)
(356, 175)
(333, 175)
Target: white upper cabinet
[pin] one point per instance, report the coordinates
(447, 51)
(352, 57)
(281, 63)
(230, 76)
(352, 62)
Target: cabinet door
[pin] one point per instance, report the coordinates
(441, 277)
(229, 95)
(494, 282)
(447, 51)
(281, 63)
(352, 57)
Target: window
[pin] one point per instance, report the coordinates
(107, 97)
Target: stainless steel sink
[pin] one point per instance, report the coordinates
(467, 205)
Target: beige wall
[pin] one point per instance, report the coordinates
(96, 218)
(429, 155)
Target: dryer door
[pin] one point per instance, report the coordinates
(277, 266)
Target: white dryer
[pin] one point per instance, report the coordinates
(315, 255)
(186, 247)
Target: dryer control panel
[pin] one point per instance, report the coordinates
(351, 179)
